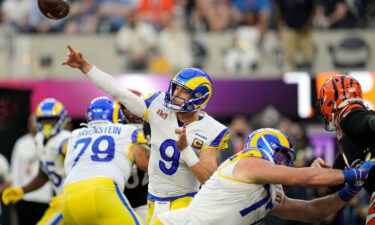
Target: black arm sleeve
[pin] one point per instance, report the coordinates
(357, 122)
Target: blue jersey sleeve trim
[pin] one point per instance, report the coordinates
(154, 198)
(134, 137)
(151, 98)
(62, 145)
(216, 141)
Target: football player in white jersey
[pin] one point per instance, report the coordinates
(248, 186)
(50, 146)
(184, 139)
(98, 161)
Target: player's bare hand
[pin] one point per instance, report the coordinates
(182, 141)
(320, 163)
(75, 59)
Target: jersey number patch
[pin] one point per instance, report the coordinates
(99, 155)
(174, 159)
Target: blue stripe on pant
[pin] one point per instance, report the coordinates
(119, 193)
(57, 220)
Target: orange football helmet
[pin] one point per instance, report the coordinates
(336, 93)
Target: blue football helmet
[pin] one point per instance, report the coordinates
(50, 115)
(103, 108)
(274, 143)
(197, 82)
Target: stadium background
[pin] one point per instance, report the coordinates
(143, 43)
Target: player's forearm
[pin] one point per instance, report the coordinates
(308, 211)
(36, 183)
(317, 177)
(202, 171)
(141, 156)
(320, 208)
(110, 85)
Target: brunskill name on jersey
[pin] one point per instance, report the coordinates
(100, 130)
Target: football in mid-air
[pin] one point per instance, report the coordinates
(54, 9)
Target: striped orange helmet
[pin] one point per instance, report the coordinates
(336, 93)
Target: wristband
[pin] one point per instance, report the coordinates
(350, 175)
(189, 157)
(348, 192)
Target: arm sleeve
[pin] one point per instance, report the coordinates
(110, 85)
(358, 122)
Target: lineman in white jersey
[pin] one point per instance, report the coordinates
(184, 140)
(247, 187)
(50, 146)
(98, 161)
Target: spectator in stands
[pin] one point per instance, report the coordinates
(112, 14)
(242, 57)
(304, 150)
(174, 44)
(295, 23)
(152, 11)
(136, 43)
(24, 167)
(16, 13)
(262, 10)
(217, 14)
(38, 23)
(82, 17)
(334, 14)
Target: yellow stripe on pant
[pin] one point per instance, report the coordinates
(174, 204)
(96, 201)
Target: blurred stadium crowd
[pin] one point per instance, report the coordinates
(149, 28)
(106, 16)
